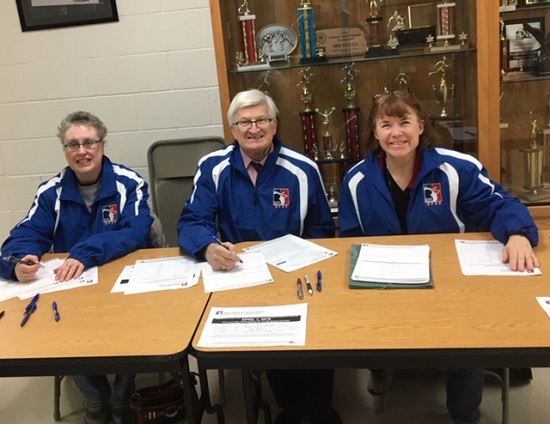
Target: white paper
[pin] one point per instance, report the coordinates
(256, 326)
(290, 253)
(45, 282)
(162, 274)
(393, 264)
(123, 279)
(484, 257)
(544, 302)
(253, 271)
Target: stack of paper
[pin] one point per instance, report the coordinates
(375, 266)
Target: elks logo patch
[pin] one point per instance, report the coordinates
(281, 197)
(110, 214)
(432, 194)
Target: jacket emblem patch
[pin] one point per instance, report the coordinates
(110, 214)
(432, 194)
(281, 197)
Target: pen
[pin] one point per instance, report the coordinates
(300, 291)
(319, 283)
(56, 315)
(28, 315)
(32, 302)
(221, 244)
(2, 314)
(308, 285)
(15, 260)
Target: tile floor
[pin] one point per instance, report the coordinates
(415, 397)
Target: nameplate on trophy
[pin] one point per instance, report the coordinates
(341, 42)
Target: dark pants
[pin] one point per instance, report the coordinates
(304, 395)
(464, 395)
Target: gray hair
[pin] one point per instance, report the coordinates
(81, 118)
(251, 98)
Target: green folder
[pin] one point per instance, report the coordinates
(355, 284)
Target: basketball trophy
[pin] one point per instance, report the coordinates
(442, 92)
(308, 116)
(351, 113)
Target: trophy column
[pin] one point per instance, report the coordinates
(533, 162)
(445, 21)
(306, 24)
(248, 32)
(308, 117)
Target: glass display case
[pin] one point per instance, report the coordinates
(525, 99)
(323, 62)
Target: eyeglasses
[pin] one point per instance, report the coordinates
(247, 123)
(73, 146)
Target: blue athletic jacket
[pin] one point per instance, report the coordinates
(452, 194)
(59, 221)
(289, 198)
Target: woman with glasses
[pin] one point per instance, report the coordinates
(96, 211)
(405, 185)
(255, 189)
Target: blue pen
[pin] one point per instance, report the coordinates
(319, 283)
(28, 315)
(56, 315)
(32, 302)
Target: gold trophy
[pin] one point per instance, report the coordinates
(533, 155)
(443, 93)
(331, 195)
(350, 148)
(328, 146)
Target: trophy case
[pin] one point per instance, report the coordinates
(525, 100)
(323, 62)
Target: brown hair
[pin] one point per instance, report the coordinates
(395, 103)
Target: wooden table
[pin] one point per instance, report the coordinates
(462, 322)
(102, 333)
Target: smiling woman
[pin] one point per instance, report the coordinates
(44, 14)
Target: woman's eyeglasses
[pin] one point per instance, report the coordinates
(73, 146)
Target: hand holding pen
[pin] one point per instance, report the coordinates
(25, 268)
(221, 256)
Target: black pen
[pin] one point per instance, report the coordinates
(15, 260)
(319, 283)
(2, 314)
(300, 291)
(308, 285)
(32, 302)
(221, 244)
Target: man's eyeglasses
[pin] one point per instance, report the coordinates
(260, 123)
(73, 146)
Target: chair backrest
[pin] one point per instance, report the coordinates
(172, 166)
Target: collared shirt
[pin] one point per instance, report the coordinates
(247, 160)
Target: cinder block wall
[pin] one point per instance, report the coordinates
(150, 76)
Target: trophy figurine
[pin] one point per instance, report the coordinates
(504, 49)
(306, 25)
(308, 116)
(248, 33)
(351, 116)
(533, 155)
(443, 93)
(397, 23)
(328, 147)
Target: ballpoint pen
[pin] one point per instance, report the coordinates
(2, 314)
(32, 302)
(28, 314)
(221, 244)
(15, 260)
(308, 285)
(319, 282)
(300, 291)
(56, 315)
